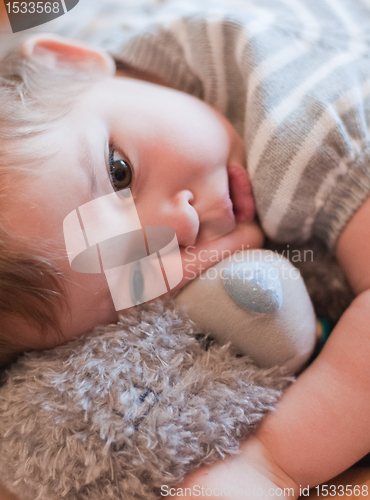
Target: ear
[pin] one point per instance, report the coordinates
(57, 52)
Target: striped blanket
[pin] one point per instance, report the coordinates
(293, 76)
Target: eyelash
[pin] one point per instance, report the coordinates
(112, 150)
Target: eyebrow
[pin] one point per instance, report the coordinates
(86, 161)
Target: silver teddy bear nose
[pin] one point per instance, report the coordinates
(254, 285)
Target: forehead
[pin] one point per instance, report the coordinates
(67, 168)
(67, 178)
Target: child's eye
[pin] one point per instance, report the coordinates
(120, 171)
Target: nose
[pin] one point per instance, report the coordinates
(180, 214)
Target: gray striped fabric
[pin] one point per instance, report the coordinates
(293, 76)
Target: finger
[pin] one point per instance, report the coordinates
(197, 259)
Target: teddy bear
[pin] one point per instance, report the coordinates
(128, 410)
(257, 300)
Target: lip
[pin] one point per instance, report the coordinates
(241, 195)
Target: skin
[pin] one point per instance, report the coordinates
(181, 154)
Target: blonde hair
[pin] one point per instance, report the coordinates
(32, 98)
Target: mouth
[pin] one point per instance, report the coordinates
(241, 196)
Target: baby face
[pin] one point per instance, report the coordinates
(183, 162)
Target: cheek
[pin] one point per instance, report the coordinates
(183, 150)
(89, 304)
(187, 128)
(206, 142)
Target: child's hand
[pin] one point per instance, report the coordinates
(198, 258)
(251, 474)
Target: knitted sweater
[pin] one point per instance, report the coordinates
(293, 77)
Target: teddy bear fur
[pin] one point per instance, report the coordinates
(127, 409)
(134, 406)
